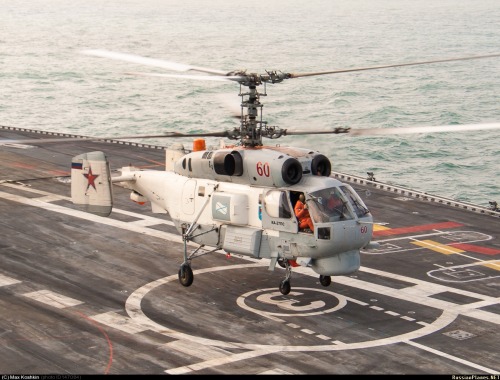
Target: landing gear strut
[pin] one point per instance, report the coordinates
(186, 275)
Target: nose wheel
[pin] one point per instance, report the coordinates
(325, 280)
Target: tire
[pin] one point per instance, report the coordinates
(325, 280)
(285, 287)
(186, 276)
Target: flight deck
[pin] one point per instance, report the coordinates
(84, 294)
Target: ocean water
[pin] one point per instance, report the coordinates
(47, 84)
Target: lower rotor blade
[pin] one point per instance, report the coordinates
(399, 131)
(86, 138)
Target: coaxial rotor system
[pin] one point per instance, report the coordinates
(252, 127)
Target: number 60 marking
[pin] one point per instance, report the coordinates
(263, 169)
(364, 229)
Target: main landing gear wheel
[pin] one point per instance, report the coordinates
(186, 276)
(325, 280)
(285, 284)
(285, 287)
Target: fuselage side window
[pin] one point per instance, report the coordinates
(285, 210)
(277, 204)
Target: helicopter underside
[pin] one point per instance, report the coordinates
(303, 249)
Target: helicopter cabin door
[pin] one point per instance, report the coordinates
(277, 212)
(188, 195)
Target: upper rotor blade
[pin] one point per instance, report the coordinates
(196, 77)
(150, 61)
(298, 75)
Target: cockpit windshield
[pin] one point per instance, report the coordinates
(328, 205)
(331, 204)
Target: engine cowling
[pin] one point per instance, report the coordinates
(263, 166)
(228, 163)
(271, 168)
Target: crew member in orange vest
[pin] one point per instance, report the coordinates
(302, 214)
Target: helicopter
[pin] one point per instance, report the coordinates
(244, 198)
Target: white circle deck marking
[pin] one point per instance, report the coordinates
(133, 308)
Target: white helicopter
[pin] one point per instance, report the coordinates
(242, 199)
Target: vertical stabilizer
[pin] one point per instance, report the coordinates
(91, 183)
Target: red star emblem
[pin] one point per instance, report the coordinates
(91, 178)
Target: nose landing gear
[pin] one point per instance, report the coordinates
(285, 286)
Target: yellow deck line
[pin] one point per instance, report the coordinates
(378, 227)
(438, 247)
(495, 266)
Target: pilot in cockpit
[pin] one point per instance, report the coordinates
(334, 203)
(328, 205)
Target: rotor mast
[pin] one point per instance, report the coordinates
(253, 128)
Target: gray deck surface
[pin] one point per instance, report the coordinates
(81, 294)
